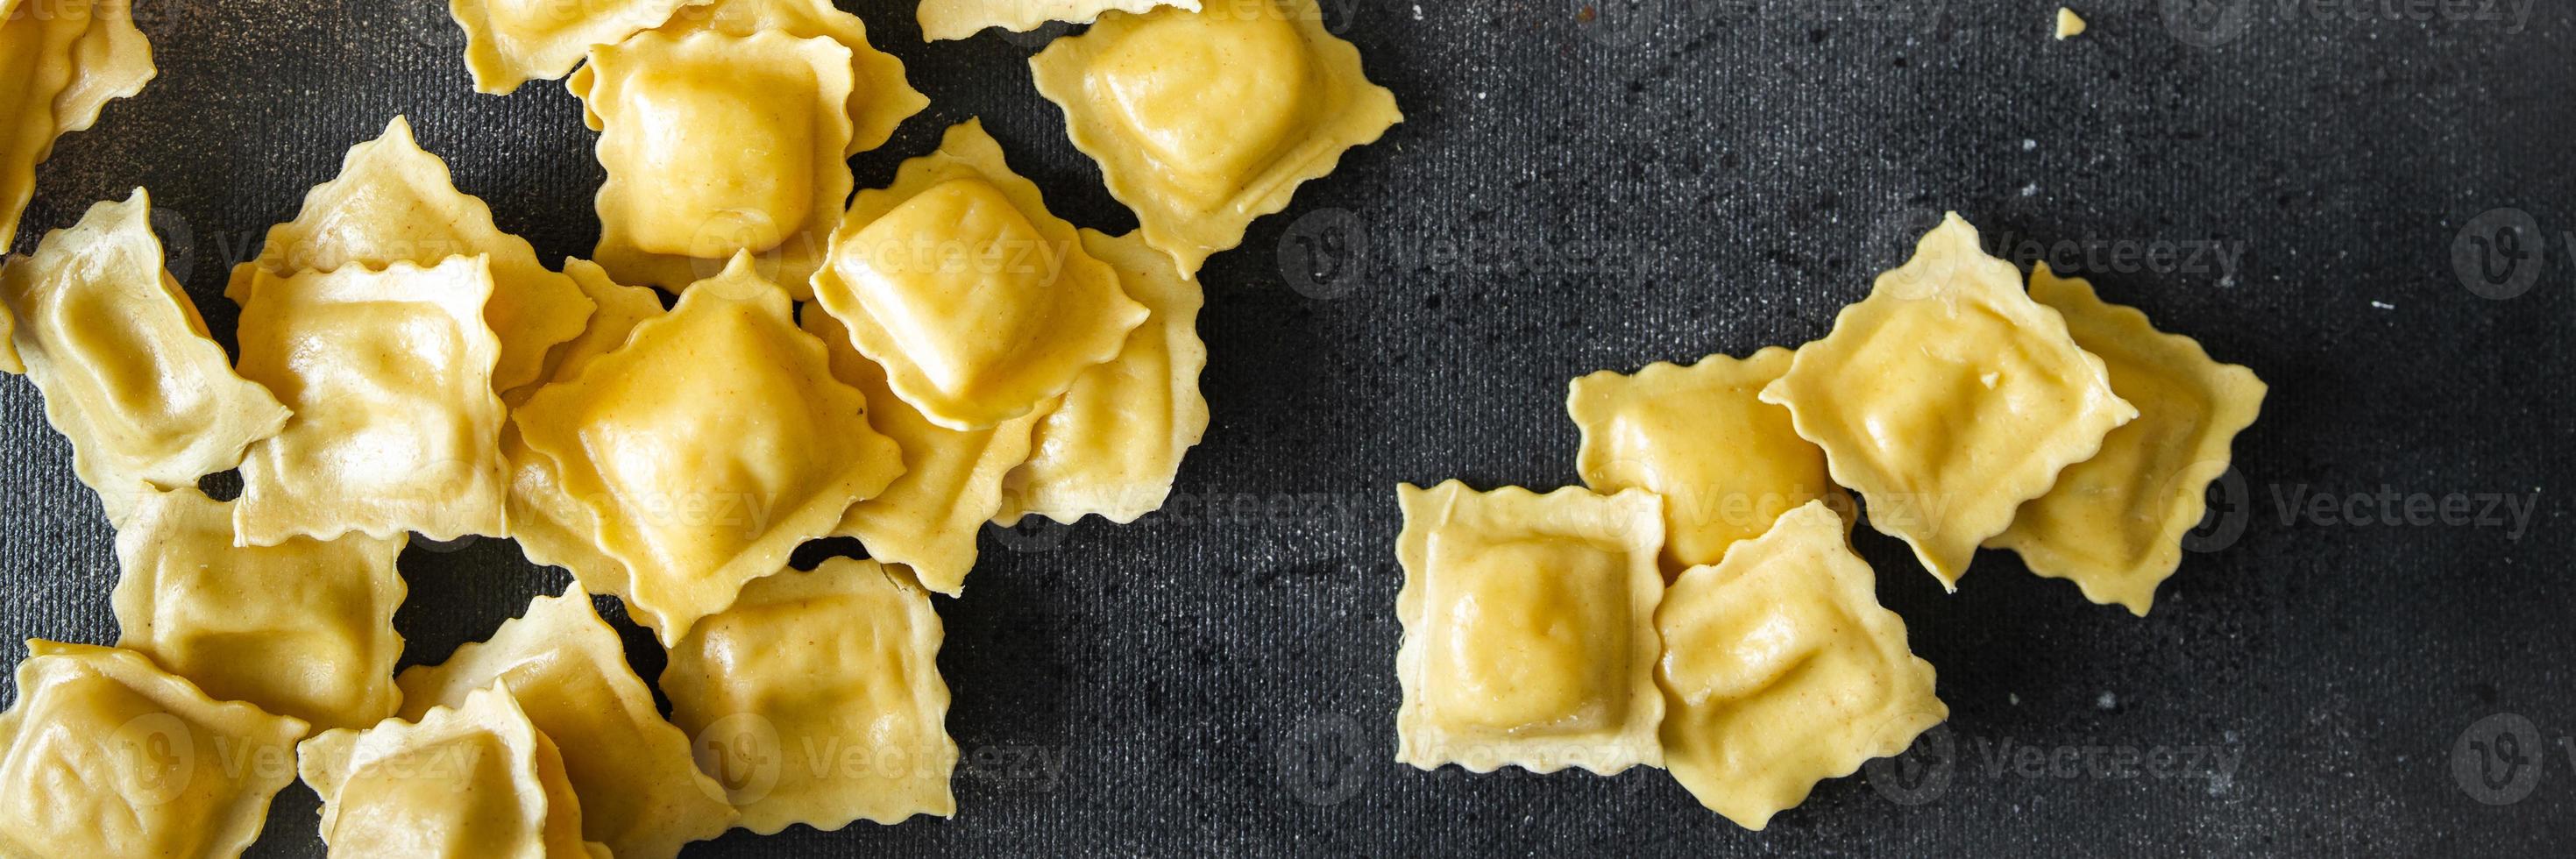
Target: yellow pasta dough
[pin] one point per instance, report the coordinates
(475, 781)
(952, 479)
(105, 754)
(1948, 398)
(2114, 524)
(818, 695)
(551, 526)
(1113, 445)
(958, 19)
(394, 202)
(304, 628)
(511, 42)
(708, 447)
(148, 401)
(65, 61)
(1205, 120)
(979, 303)
(880, 98)
(717, 144)
(1529, 635)
(640, 790)
(1725, 462)
(396, 427)
(1780, 669)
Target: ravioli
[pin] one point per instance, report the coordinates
(640, 790)
(2114, 524)
(476, 781)
(1725, 462)
(148, 401)
(926, 519)
(958, 19)
(1113, 445)
(817, 699)
(1203, 121)
(717, 144)
(68, 61)
(1948, 398)
(979, 303)
(390, 377)
(105, 754)
(1529, 635)
(304, 628)
(511, 42)
(1780, 670)
(394, 202)
(880, 98)
(708, 447)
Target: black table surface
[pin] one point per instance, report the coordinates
(2367, 656)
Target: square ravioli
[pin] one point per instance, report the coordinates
(717, 144)
(1780, 670)
(1205, 120)
(958, 19)
(1948, 398)
(304, 628)
(640, 790)
(551, 527)
(1725, 462)
(979, 303)
(708, 447)
(474, 780)
(68, 60)
(952, 479)
(390, 377)
(1113, 444)
(394, 202)
(511, 42)
(105, 754)
(2114, 524)
(148, 401)
(817, 699)
(880, 97)
(1529, 635)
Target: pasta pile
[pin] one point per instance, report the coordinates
(1697, 606)
(901, 366)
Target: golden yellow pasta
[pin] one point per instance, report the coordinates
(550, 525)
(979, 303)
(717, 144)
(708, 447)
(2114, 524)
(819, 696)
(105, 754)
(511, 42)
(1725, 462)
(880, 98)
(396, 427)
(1780, 669)
(394, 202)
(304, 628)
(468, 782)
(1529, 635)
(1948, 398)
(958, 19)
(952, 479)
(1113, 444)
(1205, 120)
(640, 790)
(148, 401)
(64, 62)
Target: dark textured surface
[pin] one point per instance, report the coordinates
(1573, 192)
